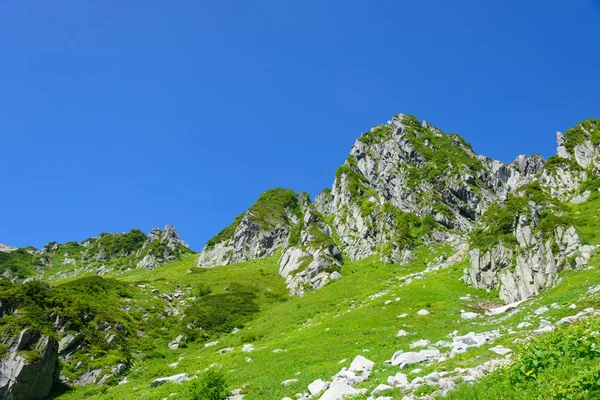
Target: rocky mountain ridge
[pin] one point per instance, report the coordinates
(108, 252)
(407, 182)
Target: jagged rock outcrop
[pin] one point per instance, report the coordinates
(27, 372)
(524, 269)
(6, 248)
(310, 263)
(257, 233)
(161, 247)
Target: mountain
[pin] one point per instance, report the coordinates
(423, 267)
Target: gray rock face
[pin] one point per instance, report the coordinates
(250, 241)
(311, 262)
(253, 236)
(523, 272)
(23, 379)
(69, 343)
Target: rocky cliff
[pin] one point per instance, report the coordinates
(27, 368)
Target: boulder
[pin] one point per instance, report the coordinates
(361, 364)
(178, 379)
(23, 379)
(317, 387)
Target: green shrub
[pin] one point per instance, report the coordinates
(222, 312)
(570, 344)
(3, 350)
(212, 386)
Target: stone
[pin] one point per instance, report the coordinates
(500, 350)
(226, 350)
(401, 333)
(360, 363)
(405, 359)
(338, 390)
(423, 312)
(289, 382)
(398, 380)
(178, 379)
(420, 343)
(380, 388)
(432, 378)
(248, 348)
(468, 315)
(503, 309)
(69, 343)
(317, 387)
(335, 276)
(541, 310)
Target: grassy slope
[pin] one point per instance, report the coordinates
(339, 322)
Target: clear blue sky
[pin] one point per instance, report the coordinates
(119, 114)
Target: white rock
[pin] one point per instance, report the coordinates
(503, 309)
(211, 344)
(402, 315)
(469, 315)
(420, 343)
(338, 390)
(360, 363)
(501, 350)
(432, 378)
(317, 387)
(380, 388)
(572, 306)
(398, 380)
(541, 310)
(545, 326)
(423, 312)
(248, 348)
(172, 379)
(405, 359)
(401, 333)
(289, 382)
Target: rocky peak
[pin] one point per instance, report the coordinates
(4, 248)
(168, 236)
(580, 144)
(161, 247)
(258, 232)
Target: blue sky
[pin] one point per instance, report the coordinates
(120, 114)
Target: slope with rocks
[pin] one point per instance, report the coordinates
(102, 254)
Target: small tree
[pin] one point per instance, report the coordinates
(212, 387)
